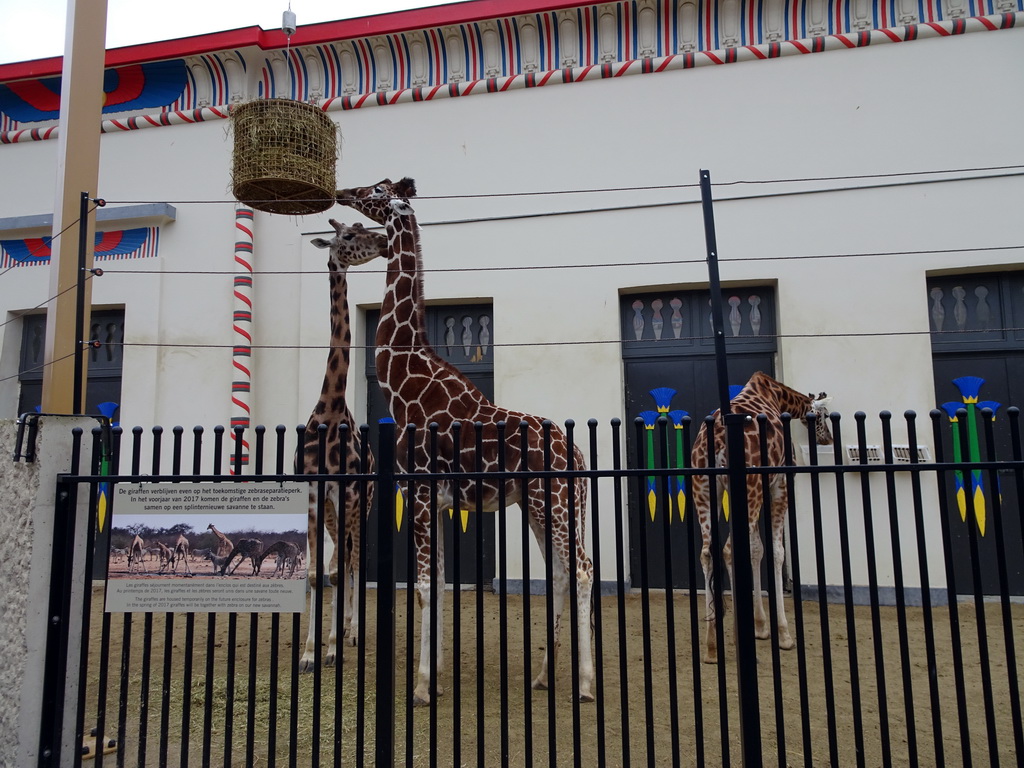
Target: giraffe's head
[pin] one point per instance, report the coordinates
(819, 407)
(352, 244)
(374, 201)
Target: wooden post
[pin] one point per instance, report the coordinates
(78, 158)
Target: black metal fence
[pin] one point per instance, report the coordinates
(888, 667)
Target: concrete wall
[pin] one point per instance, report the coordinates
(27, 517)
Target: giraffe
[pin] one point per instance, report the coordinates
(287, 555)
(422, 388)
(166, 556)
(180, 554)
(349, 247)
(224, 545)
(245, 548)
(761, 395)
(137, 554)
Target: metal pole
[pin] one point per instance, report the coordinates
(717, 324)
(78, 401)
(743, 581)
(384, 748)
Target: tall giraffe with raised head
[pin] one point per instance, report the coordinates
(350, 246)
(422, 388)
(761, 395)
(224, 544)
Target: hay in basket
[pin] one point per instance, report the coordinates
(284, 157)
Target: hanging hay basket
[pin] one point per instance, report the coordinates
(284, 157)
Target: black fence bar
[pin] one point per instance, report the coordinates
(456, 557)
(148, 676)
(901, 606)
(503, 645)
(882, 698)
(384, 750)
(847, 569)
(621, 513)
(798, 614)
(645, 613)
(1013, 414)
(693, 548)
(595, 524)
(481, 730)
(59, 615)
(963, 436)
(828, 672)
(670, 617)
(926, 591)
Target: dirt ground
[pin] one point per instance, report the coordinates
(656, 711)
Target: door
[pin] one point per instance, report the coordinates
(463, 335)
(669, 363)
(1000, 375)
(978, 354)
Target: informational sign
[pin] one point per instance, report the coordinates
(208, 547)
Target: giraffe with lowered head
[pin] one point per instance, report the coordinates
(760, 395)
(422, 388)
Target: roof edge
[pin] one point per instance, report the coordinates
(309, 34)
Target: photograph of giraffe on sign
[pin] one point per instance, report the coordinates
(208, 547)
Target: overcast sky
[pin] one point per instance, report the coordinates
(34, 29)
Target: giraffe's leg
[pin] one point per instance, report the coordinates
(427, 587)
(761, 628)
(350, 585)
(307, 662)
(350, 568)
(331, 528)
(779, 505)
(559, 588)
(702, 503)
(584, 595)
(584, 574)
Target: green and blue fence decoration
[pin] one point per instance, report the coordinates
(677, 483)
(650, 420)
(970, 388)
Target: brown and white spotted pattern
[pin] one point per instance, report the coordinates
(181, 553)
(350, 246)
(761, 395)
(422, 388)
(224, 544)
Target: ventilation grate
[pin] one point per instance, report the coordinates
(900, 454)
(873, 454)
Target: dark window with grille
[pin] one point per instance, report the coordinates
(668, 344)
(463, 335)
(104, 381)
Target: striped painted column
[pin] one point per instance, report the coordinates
(241, 327)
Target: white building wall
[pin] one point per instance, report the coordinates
(919, 106)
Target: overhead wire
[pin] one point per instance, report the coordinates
(532, 267)
(605, 190)
(653, 187)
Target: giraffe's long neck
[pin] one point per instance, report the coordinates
(332, 393)
(402, 326)
(789, 400)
